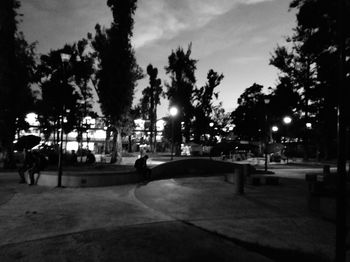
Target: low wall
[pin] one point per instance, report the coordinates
(193, 167)
(173, 169)
(88, 178)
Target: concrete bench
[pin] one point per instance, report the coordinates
(238, 177)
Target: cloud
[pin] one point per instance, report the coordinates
(246, 59)
(56, 22)
(165, 19)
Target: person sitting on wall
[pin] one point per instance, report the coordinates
(34, 162)
(90, 158)
(74, 157)
(141, 167)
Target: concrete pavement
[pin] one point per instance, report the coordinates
(167, 220)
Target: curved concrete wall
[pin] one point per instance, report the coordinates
(194, 166)
(176, 168)
(88, 179)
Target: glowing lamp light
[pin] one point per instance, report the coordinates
(266, 100)
(32, 119)
(287, 120)
(274, 128)
(173, 111)
(308, 125)
(65, 57)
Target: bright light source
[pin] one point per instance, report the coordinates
(287, 120)
(32, 119)
(65, 57)
(173, 111)
(308, 125)
(100, 134)
(72, 145)
(274, 128)
(211, 124)
(160, 125)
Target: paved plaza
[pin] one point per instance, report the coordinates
(186, 219)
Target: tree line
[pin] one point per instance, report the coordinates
(307, 88)
(104, 61)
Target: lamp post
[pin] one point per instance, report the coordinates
(287, 120)
(173, 113)
(211, 124)
(274, 129)
(64, 58)
(266, 101)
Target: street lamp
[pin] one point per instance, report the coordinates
(64, 58)
(274, 128)
(173, 113)
(287, 120)
(266, 101)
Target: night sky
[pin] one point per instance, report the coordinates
(234, 37)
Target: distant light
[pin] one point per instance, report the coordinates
(266, 100)
(72, 145)
(65, 57)
(173, 111)
(274, 128)
(100, 134)
(32, 119)
(211, 124)
(160, 125)
(308, 125)
(287, 120)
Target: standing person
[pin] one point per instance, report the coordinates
(37, 165)
(90, 158)
(141, 167)
(74, 157)
(26, 165)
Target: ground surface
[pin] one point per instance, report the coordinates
(187, 219)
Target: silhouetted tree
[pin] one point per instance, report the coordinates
(150, 100)
(17, 63)
(204, 104)
(311, 66)
(59, 97)
(249, 116)
(118, 70)
(181, 68)
(83, 70)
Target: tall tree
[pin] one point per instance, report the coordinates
(204, 104)
(17, 63)
(314, 53)
(249, 116)
(150, 100)
(181, 68)
(59, 97)
(83, 70)
(118, 70)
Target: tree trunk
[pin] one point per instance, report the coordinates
(129, 146)
(8, 145)
(155, 130)
(108, 137)
(117, 147)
